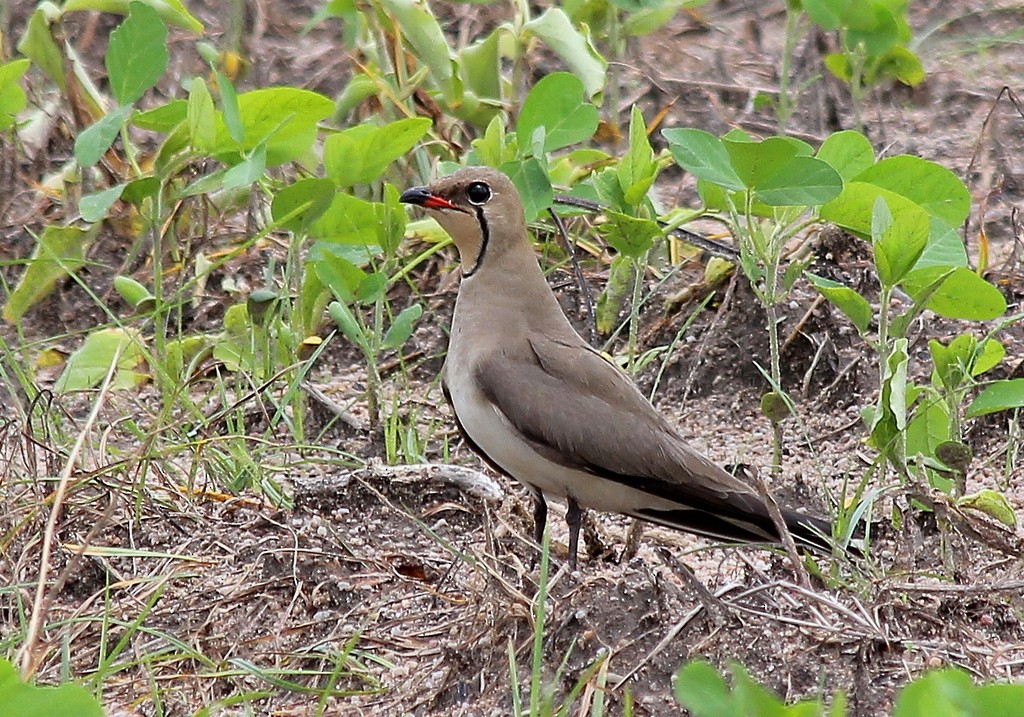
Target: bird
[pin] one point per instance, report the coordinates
(538, 404)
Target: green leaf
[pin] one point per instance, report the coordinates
(229, 104)
(349, 220)
(137, 53)
(59, 251)
(348, 324)
(285, 118)
(998, 396)
(962, 294)
(87, 366)
(555, 28)
(372, 287)
(942, 692)
(93, 207)
(533, 185)
(701, 690)
(945, 247)
(38, 45)
(557, 104)
(631, 236)
(391, 221)
(990, 503)
(247, 171)
(95, 140)
(170, 11)
(802, 181)
(423, 33)
(163, 118)
(202, 117)
(26, 700)
(135, 294)
(140, 189)
(930, 185)
(987, 357)
(336, 271)
(305, 200)
(848, 152)
(360, 155)
(481, 65)
(637, 170)
(853, 305)
(401, 328)
(853, 207)
(704, 156)
(12, 97)
(897, 243)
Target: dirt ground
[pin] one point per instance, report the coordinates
(430, 585)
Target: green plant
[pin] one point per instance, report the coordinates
(26, 700)
(874, 39)
(766, 192)
(949, 692)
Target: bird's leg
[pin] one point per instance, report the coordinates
(540, 517)
(574, 519)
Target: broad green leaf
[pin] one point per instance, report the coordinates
(492, 149)
(998, 396)
(285, 118)
(247, 171)
(994, 504)
(423, 33)
(88, 365)
(59, 251)
(961, 295)
(305, 201)
(162, 119)
(26, 700)
(532, 182)
(828, 14)
(899, 63)
(897, 242)
(944, 247)
(139, 189)
(555, 28)
(925, 183)
(756, 162)
(202, 117)
(336, 271)
(93, 207)
(137, 53)
(928, 428)
(848, 152)
(853, 305)
(701, 690)
(942, 692)
(987, 357)
(631, 236)
(12, 97)
(172, 12)
(349, 220)
(481, 65)
(802, 181)
(704, 156)
(637, 169)
(38, 45)
(95, 140)
(557, 104)
(401, 328)
(361, 154)
(853, 207)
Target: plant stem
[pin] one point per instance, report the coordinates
(634, 311)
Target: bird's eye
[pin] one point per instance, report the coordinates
(478, 193)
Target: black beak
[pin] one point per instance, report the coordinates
(423, 197)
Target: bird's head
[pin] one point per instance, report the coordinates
(479, 207)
